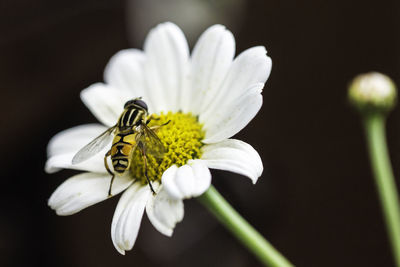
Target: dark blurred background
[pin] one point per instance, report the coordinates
(316, 201)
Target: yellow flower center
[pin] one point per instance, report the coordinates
(181, 138)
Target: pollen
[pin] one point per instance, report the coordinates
(181, 134)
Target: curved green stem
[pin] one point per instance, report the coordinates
(242, 230)
(374, 124)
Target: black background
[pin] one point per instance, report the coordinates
(316, 200)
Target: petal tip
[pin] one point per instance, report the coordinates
(169, 24)
(217, 27)
(254, 180)
(120, 251)
(168, 232)
(60, 213)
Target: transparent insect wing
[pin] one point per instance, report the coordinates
(151, 142)
(94, 146)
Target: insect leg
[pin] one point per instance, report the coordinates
(165, 123)
(109, 171)
(156, 127)
(105, 162)
(150, 118)
(142, 149)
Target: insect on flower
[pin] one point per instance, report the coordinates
(130, 132)
(207, 96)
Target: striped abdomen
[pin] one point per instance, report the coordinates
(121, 150)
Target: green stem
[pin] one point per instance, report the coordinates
(242, 230)
(374, 124)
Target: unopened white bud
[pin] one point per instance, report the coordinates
(373, 92)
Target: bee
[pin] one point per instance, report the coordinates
(130, 132)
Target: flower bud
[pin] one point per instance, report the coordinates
(373, 92)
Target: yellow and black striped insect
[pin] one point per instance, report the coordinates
(130, 132)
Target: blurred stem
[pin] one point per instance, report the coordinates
(242, 230)
(374, 124)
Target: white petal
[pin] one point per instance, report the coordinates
(73, 139)
(168, 181)
(104, 102)
(187, 181)
(234, 156)
(63, 147)
(232, 118)
(128, 215)
(251, 67)
(210, 61)
(184, 181)
(125, 72)
(202, 177)
(164, 212)
(64, 161)
(83, 190)
(166, 66)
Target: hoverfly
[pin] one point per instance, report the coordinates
(130, 132)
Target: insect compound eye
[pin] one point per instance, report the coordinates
(140, 103)
(128, 103)
(136, 102)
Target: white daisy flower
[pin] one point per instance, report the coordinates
(208, 96)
